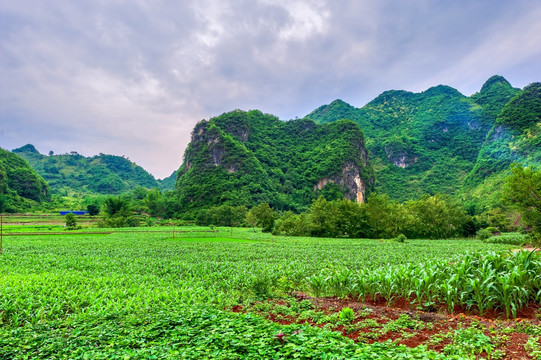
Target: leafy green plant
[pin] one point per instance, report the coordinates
(469, 341)
(347, 315)
(533, 347)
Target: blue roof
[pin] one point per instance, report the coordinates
(74, 212)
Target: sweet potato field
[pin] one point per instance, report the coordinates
(256, 296)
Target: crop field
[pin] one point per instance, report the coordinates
(249, 295)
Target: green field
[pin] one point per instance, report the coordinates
(147, 295)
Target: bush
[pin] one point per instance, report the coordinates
(483, 234)
(511, 239)
(400, 238)
(493, 230)
(261, 286)
(71, 221)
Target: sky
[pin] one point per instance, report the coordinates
(132, 78)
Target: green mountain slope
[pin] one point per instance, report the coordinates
(514, 137)
(168, 183)
(76, 174)
(20, 185)
(425, 142)
(245, 158)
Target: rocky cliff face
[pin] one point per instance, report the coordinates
(245, 158)
(349, 179)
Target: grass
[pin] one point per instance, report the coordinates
(145, 295)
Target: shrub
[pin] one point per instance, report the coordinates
(511, 239)
(493, 230)
(483, 234)
(71, 221)
(261, 286)
(400, 238)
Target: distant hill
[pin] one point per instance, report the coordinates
(76, 174)
(244, 158)
(424, 143)
(514, 137)
(168, 183)
(20, 185)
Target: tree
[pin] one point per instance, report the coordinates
(117, 212)
(523, 191)
(226, 215)
(93, 209)
(261, 215)
(386, 218)
(435, 216)
(71, 221)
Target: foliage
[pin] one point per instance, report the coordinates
(74, 174)
(423, 143)
(400, 238)
(71, 221)
(168, 183)
(523, 191)
(117, 212)
(261, 215)
(226, 215)
(484, 234)
(524, 110)
(430, 217)
(436, 217)
(347, 315)
(503, 281)
(20, 186)
(162, 205)
(514, 137)
(144, 295)
(248, 158)
(93, 209)
(511, 239)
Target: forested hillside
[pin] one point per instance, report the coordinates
(424, 143)
(246, 158)
(168, 183)
(402, 144)
(70, 174)
(20, 186)
(515, 137)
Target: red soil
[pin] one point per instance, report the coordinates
(437, 322)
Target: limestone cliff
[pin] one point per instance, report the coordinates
(245, 158)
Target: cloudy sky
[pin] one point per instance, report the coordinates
(133, 77)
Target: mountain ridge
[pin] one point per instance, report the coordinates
(77, 174)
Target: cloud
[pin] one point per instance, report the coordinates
(133, 78)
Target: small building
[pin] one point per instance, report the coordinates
(74, 212)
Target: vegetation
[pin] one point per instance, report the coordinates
(216, 290)
(434, 217)
(514, 137)
(74, 174)
(247, 158)
(20, 186)
(523, 191)
(424, 143)
(71, 221)
(140, 294)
